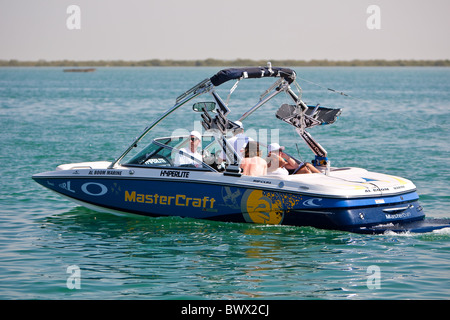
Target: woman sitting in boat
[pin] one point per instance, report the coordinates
(280, 163)
(188, 155)
(252, 164)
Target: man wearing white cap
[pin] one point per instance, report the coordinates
(279, 162)
(240, 140)
(185, 157)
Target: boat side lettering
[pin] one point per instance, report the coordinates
(179, 200)
(66, 186)
(398, 216)
(105, 172)
(262, 181)
(174, 173)
(378, 189)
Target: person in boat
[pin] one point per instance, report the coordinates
(280, 163)
(239, 140)
(191, 151)
(253, 164)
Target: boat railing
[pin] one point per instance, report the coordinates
(201, 85)
(192, 93)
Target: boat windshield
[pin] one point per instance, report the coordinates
(174, 152)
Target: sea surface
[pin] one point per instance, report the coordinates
(394, 120)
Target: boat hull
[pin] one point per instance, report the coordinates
(120, 191)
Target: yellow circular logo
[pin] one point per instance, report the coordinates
(260, 207)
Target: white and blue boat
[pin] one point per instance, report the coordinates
(151, 182)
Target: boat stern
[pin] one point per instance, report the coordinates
(354, 199)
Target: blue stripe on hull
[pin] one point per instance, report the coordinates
(234, 204)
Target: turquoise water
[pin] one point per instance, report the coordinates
(399, 125)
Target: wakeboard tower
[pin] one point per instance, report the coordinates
(149, 181)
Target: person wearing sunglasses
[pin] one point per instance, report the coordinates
(190, 152)
(279, 162)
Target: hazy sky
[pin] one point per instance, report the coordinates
(225, 29)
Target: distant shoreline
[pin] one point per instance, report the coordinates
(227, 63)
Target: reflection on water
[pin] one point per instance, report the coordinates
(186, 258)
